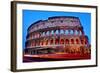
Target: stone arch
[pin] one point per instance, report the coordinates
(43, 34)
(72, 41)
(37, 43)
(76, 32)
(62, 41)
(40, 42)
(47, 33)
(67, 41)
(51, 41)
(46, 42)
(52, 32)
(66, 32)
(33, 43)
(80, 32)
(61, 31)
(77, 41)
(57, 41)
(71, 32)
(57, 32)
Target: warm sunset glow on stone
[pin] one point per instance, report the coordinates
(62, 37)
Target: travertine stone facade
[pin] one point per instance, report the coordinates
(59, 34)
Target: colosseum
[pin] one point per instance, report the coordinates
(58, 37)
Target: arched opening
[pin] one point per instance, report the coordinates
(56, 32)
(46, 42)
(47, 33)
(61, 31)
(67, 41)
(66, 32)
(33, 43)
(57, 41)
(72, 41)
(71, 32)
(43, 34)
(37, 43)
(42, 42)
(51, 42)
(52, 32)
(80, 32)
(82, 41)
(62, 41)
(77, 41)
(76, 32)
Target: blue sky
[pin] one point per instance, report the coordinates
(31, 16)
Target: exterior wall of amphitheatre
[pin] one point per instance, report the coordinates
(62, 33)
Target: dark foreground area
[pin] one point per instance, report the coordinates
(55, 57)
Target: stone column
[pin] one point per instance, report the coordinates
(39, 34)
(59, 31)
(53, 41)
(45, 33)
(73, 32)
(68, 32)
(49, 32)
(54, 32)
(64, 31)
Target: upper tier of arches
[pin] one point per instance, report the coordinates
(57, 21)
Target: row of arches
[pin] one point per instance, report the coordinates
(71, 32)
(57, 41)
(55, 32)
(55, 23)
(67, 49)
